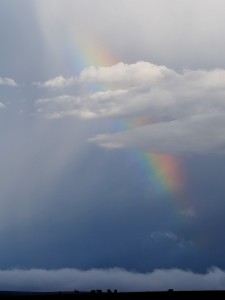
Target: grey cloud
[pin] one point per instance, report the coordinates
(176, 34)
(199, 134)
(115, 278)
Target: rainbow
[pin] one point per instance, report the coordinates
(164, 170)
(165, 174)
(167, 171)
(84, 50)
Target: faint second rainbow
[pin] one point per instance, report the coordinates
(84, 50)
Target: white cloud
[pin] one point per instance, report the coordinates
(187, 109)
(155, 91)
(7, 81)
(57, 82)
(85, 107)
(2, 105)
(125, 75)
(114, 278)
(119, 75)
(60, 106)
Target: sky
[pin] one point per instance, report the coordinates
(112, 144)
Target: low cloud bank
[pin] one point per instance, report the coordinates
(114, 278)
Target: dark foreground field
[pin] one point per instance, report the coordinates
(170, 294)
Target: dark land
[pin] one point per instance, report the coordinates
(170, 294)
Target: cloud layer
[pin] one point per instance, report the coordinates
(115, 278)
(186, 109)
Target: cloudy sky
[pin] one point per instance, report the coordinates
(112, 144)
